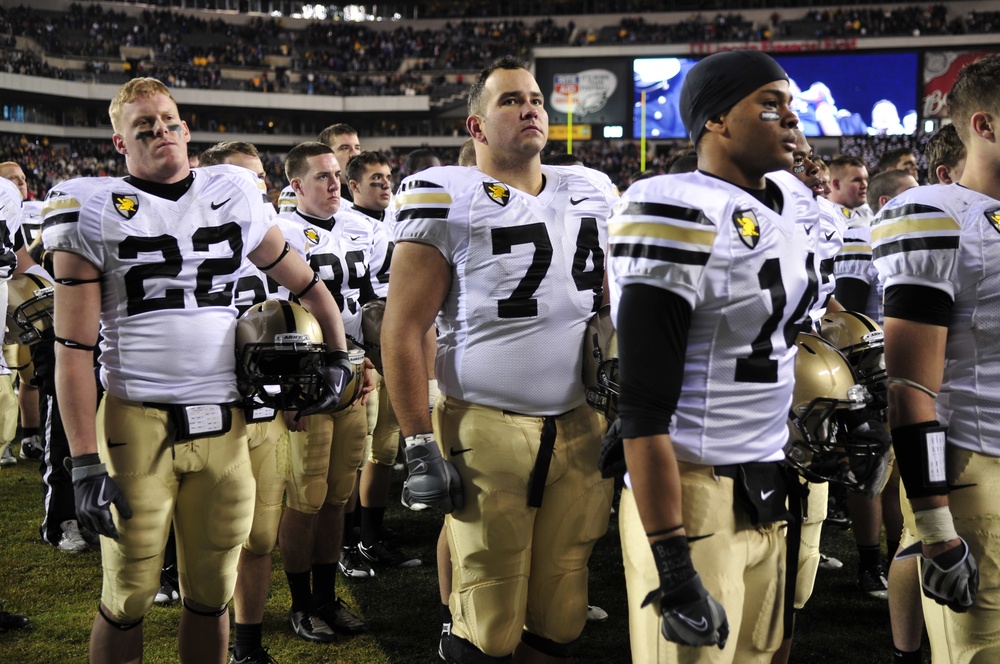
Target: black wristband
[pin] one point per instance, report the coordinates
(334, 356)
(920, 455)
(86, 460)
(673, 560)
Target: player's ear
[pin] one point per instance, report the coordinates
(119, 142)
(475, 126)
(716, 124)
(982, 125)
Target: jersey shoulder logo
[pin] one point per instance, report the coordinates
(498, 192)
(127, 205)
(846, 212)
(748, 227)
(993, 216)
(311, 235)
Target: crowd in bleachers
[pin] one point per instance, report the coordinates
(348, 58)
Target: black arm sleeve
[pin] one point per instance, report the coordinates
(652, 342)
(920, 304)
(852, 294)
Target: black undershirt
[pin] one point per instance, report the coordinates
(652, 334)
(378, 215)
(171, 192)
(920, 304)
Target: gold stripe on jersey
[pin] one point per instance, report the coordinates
(661, 232)
(905, 225)
(59, 204)
(422, 199)
(855, 248)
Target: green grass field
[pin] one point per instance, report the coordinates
(60, 591)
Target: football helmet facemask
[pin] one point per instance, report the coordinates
(371, 329)
(279, 346)
(29, 309)
(825, 387)
(600, 364)
(860, 339)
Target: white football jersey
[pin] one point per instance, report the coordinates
(288, 200)
(170, 268)
(527, 275)
(809, 212)
(322, 243)
(382, 246)
(359, 241)
(832, 228)
(31, 221)
(253, 286)
(749, 275)
(947, 237)
(854, 260)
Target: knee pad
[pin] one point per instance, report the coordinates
(459, 651)
(121, 627)
(550, 647)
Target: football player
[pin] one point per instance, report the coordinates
(369, 177)
(268, 439)
(151, 261)
(705, 502)
(934, 250)
(508, 258)
(343, 140)
(28, 395)
(10, 234)
(332, 445)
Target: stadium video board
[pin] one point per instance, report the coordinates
(834, 94)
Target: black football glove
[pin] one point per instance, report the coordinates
(690, 616)
(95, 492)
(950, 578)
(336, 373)
(432, 480)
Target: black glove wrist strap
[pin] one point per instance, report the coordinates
(673, 561)
(334, 356)
(87, 465)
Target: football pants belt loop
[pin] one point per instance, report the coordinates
(536, 485)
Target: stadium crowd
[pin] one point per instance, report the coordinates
(338, 58)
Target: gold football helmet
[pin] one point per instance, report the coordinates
(371, 328)
(860, 339)
(600, 364)
(825, 387)
(29, 309)
(279, 347)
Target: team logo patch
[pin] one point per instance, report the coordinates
(747, 227)
(846, 212)
(126, 204)
(311, 235)
(993, 216)
(497, 191)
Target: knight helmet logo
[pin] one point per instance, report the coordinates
(127, 205)
(747, 227)
(993, 216)
(497, 191)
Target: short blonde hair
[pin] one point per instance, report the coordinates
(128, 93)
